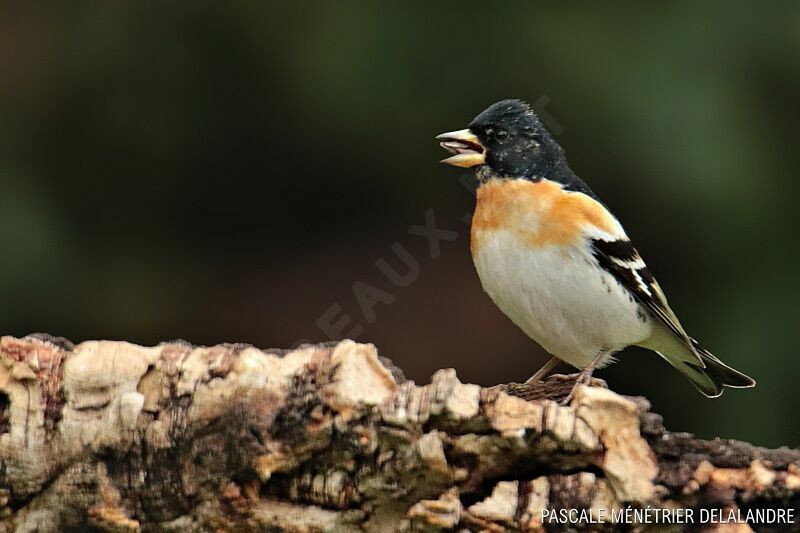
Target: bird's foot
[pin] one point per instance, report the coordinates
(555, 388)
(581, 378)
(573, 378)
(571, 396)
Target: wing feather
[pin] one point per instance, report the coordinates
(622, 260)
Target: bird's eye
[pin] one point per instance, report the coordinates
(501, 135)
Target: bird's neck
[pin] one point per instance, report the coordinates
(556, 170)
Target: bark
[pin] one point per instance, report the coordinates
(111, 436)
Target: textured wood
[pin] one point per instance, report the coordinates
(330, 437)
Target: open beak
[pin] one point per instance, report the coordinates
(465, 145)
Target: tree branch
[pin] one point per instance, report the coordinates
(175, 437)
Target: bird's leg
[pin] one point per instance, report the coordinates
(585, 375)
(542, 372)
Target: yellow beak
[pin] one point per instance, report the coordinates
(468, 150)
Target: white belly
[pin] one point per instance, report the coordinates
(560, 298)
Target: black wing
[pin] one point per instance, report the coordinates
(621, 259)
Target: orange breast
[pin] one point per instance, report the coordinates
(539, 213)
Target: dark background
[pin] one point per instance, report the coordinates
(228, 172)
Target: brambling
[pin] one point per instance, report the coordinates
(558, 263)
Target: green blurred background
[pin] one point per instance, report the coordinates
(228, 171)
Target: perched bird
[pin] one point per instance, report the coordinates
(558, 263)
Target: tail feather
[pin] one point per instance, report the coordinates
(716, 375)
(722, 373)
(707, 373)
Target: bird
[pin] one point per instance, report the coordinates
(558, 263)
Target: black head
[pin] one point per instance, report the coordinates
(509, 140)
